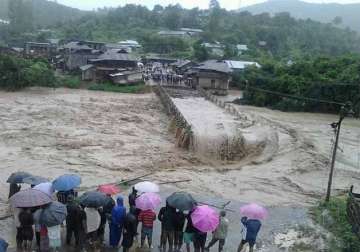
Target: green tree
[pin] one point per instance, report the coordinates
(200, 52)
(21, 16)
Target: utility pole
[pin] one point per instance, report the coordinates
(346, 110)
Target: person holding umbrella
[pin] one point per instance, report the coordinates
(73, 221)
(253, 213)
(179, 222)
(26, 234)
(15, 179)
(220, 233)
(117, 221)
(130, 229)
(166, 217)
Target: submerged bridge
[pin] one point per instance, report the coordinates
(204, 124)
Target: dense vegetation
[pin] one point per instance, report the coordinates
(17, 73)
(347, 14)
(333, 216)
(326, 78)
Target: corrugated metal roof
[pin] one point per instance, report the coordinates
(86, 67)
(116, 54)
(214, 65)
(239, 65)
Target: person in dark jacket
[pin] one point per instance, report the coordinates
(132, 197)
(179, 222)
(14, 188)
(27, 233)
(117, 221)
(74, 221)
(166, 217)
(129, 230)
(199, 241)
(252, 230)
(105, 214)
(189, 232)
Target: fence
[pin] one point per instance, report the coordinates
(183, 132)
(353, 211)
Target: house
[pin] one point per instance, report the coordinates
(117, 46)
(240, 65)
(126, 77)
(181, 66)
(212, 75)
(88, 72)
(77, 54)
(5, 22)
(95, 45)
(112, 62)
(192, 31)
(38, 49)
(157, 59)
(130, 43)
(241, 48)
(174, 34)
(216, 49)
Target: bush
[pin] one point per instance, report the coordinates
(109, 87)
(70, 82)
(344, 239)
(17, 73)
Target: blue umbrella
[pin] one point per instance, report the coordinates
(67, 182)
(18, 177)
(53, 215)
(3, 245)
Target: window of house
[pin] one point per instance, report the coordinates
(212, 83)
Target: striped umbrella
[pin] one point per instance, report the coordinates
(30, 198)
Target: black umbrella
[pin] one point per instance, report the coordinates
(3, 245)
(34, 180)
(93, 199)
(53, 215)
(17, 177)
(182, 201)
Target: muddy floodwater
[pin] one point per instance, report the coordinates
(107, 137)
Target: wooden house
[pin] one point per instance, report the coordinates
(77, 54)
(212, 75)
(181, 66)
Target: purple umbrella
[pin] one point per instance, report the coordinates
(148, 201)
(254, 211)
(205, 219)
(30, 198)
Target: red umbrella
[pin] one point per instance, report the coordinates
(109, 189)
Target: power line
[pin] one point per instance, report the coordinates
(294, 96)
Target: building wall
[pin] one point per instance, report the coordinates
(76, 60)
(127, 79)
(217, 85)
(88, 75)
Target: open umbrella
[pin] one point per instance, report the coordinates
(205, 219)
(34, 180)
(109, 189)
(182, 201)
(46, 187)
(3, 245)
(148, 201)
(53, 215)
(66, 182)
(30, 198)
(254, 211)
(147, 187)
(17, 177)
(93, 199)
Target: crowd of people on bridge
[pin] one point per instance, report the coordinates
(184, 222)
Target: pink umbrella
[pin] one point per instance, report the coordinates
(148, 201)
(109, 189)
(254, 211)
(30, 198)
(205, 218)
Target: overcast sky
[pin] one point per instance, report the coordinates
(228, 4)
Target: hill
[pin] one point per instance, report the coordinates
(45, 13)
(318, 12)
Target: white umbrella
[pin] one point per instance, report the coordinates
(46, 187)
(147, 187)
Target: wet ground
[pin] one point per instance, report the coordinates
(280, 220)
